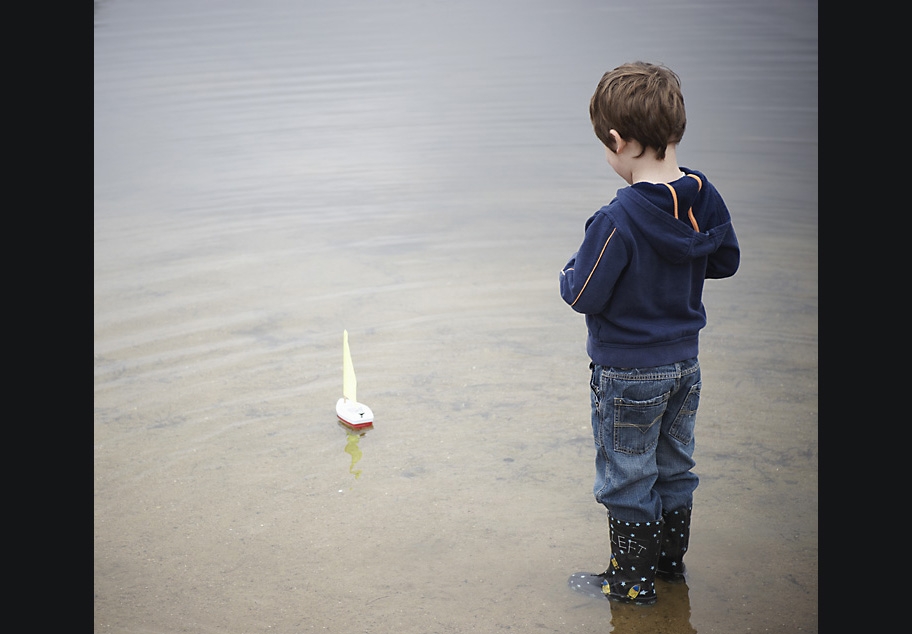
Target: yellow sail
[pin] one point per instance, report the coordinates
(349, 382)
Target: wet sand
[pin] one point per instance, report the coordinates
(423, 193)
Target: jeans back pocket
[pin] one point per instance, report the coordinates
(637, 424)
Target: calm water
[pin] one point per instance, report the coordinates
(417, 172)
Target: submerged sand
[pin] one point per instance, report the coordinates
(249, 208)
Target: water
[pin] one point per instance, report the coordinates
(269, 174)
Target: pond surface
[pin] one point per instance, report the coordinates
(269, 174)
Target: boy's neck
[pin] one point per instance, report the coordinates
(648, 169)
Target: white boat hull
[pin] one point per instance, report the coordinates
(354, 414)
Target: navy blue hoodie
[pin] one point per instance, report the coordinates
(638, 275)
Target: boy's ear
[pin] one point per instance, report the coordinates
(619, 142)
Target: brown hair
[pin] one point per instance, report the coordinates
(641, 101)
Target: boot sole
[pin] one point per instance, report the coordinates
(629, 601)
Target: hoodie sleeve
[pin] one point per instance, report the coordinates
(587, 281)
(726, 259)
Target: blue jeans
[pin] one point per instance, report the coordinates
(643, 424)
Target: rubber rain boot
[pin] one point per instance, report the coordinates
(630, 577)
(675, 539)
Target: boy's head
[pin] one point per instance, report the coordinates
(639, 101)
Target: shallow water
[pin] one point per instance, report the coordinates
(269, 174)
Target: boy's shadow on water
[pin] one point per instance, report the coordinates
(669, 615)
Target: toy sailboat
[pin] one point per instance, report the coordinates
(351, 413)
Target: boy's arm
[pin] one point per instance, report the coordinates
(589, 277)
(725, 261)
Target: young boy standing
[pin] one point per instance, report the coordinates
(638, 278)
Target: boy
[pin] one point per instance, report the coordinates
(638, 278)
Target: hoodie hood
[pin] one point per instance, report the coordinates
(651, 212)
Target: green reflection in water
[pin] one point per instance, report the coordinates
(352, 448)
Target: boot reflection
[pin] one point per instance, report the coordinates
(669, 615)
